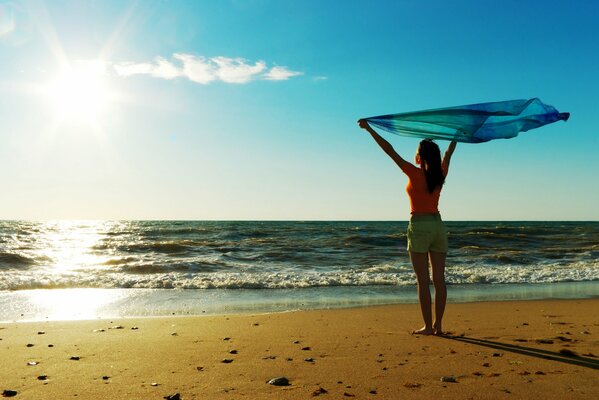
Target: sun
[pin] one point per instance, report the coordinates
(80, 92)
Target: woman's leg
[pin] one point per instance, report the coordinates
(438, 267)
(420, 264)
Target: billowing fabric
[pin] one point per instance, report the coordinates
(474, 123)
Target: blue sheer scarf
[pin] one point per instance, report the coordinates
(474, 123)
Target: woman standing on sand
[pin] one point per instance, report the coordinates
(427, 236)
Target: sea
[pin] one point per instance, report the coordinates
(63, 270)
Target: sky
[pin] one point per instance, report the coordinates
(247, 110)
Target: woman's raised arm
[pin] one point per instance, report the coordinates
(386, 146)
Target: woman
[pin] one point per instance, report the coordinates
(427, 237)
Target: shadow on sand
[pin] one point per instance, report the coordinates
(566, 356)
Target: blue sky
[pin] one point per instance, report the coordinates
(247, 109)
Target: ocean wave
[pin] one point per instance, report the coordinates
(12, 260)
(397, 275)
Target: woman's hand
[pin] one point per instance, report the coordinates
(363, 124)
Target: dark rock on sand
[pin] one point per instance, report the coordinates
(233, 352)
(29, 344)
(568, 353)
(309, 359)
(544, 341)
(175, 396)
(9, 393)
(319, 391)
(306, 348)
(42, 377)
(227, 361)
(75, 358)
(451, 379)
(279, 381)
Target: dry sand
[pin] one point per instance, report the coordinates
(497, 350)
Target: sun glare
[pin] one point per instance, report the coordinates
(80, 93)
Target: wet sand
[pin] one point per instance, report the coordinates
(495, 350)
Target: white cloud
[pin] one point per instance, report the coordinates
(204, 70)
(128, 69)
(237, 70)
(165, 69)
(197, 69)
(280, 74)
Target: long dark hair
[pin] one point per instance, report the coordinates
(430, 160)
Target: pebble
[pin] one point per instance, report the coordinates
(99, 330)
(105, 377)
(134, 328)
(118, 327)
(451, 379)
(319, 391)
(154, 384)
(568, 353)
(309, 359)
(226, 338)
(279, 381)
(233, 352)
(174, 334)
(42, 377)
(544, 341)
(75, 358)
(9, 393)
(32, 363)
(29, 345)
(372, 391)
(306, 348)
(227, 361)
(41, 333)
(175, 396)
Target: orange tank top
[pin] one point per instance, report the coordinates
(421, 201)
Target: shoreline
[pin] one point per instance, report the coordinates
(90, 304)
(545, 349)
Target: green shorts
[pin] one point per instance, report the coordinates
(427, 233)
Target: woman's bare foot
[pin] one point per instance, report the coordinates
(437, 329)
(424, 331)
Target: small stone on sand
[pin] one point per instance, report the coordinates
(279, 381)
(42, 377)
(9, 393)
(154, 384)
(568, 353)
(319, 391)
(32, 363)
(451, 379)
(306, 348)
(175, 396)
(75, 358)
(309, 359)
(29, 345)
(227, 361)
(41, 333)
(412, 385)
(105, 377)
(233, 352)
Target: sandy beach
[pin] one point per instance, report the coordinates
(525, 349)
